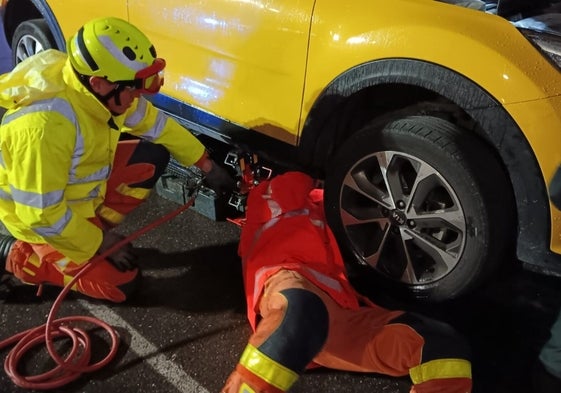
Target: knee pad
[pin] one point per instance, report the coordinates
(151, 154)
(301, 333)
(441, 339)
(445, 364)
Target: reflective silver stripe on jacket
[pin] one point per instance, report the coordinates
(274, 207)
(136, 117)
(49, 105)
(159, 124)
(277, 214)
(57, 228)
(42, 201)
(274, 220)
(35, 199)
(117, 53)
(65, 109)
(102, 174)
(320, 277)
(325, 280)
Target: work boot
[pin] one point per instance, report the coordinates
(102, 281)
(6, 243)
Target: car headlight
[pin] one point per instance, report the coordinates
(544, 31)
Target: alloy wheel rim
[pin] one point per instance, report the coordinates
(402, 218)
(26, 47)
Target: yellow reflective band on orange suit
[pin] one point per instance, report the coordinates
(439, 369)
(246, 389)
(267, 369)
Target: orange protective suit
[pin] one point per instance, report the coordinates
(304, 311)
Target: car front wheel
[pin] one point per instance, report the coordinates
(31, 37)
(423, 204)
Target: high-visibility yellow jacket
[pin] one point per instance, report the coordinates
(57, 144)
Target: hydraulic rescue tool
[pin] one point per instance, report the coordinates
(177, 180)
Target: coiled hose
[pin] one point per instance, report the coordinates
(77, 361)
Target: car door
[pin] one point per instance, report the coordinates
(242, 60)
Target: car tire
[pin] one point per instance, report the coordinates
(424, 205)
(31, 37)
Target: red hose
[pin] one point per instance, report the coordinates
(77, 361)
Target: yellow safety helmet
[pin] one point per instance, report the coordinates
(114, 49)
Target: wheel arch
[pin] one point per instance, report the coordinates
(18, 11)
(388, 88)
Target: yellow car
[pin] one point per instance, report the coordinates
(435, 125)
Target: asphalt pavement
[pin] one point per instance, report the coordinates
(185, 327)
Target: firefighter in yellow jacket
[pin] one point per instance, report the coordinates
(304, 311)
(67, 175)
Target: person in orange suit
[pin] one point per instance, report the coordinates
(305, 313)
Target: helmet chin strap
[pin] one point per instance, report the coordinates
(115, 94)
(104, 99)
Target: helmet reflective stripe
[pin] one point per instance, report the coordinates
(84, 52)
(120, 56)
(111, 48)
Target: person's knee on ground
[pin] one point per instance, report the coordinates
(445, 357)
(286, 340)
(102, 281)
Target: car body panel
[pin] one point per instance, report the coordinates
(244, 60)
(527, 87)
(70, 19)
(541, 120)
(220, 53)
(498, 69)
(407, 29)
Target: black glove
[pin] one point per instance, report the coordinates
(219, 180)
(123, 258)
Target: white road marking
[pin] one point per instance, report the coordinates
(173, 373)
(163, 274)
